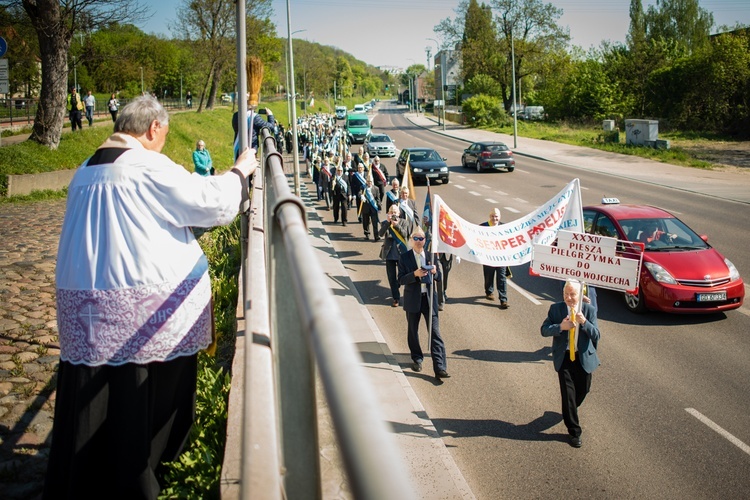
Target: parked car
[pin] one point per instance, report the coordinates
(533, 113)
(226, 98)
(488, 156)
(425, 163)
(681, 272)
(380, 145)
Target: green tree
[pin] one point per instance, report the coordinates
(483, 110)
(55, 24)
(484, 84)
(479, 46)
(23, 70)
(683, 22)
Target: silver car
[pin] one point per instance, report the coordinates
(380, 145)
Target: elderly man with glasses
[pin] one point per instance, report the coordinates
(416, 271)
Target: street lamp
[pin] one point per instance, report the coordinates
(141, 80)
(515, 106)
(295, 150)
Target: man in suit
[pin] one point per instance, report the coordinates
(395, 232)
(392, 196)
(417, 272)
(573, 323)
(370, 208)
(340, 194)
(496, 274)
(408, 208)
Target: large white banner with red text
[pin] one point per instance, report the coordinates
(509, 244)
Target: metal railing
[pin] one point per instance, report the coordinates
(292, 327)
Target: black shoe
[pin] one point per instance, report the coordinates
(442, 374)
(343, 223)
(416, 366)
(575, 441)
(504, 305)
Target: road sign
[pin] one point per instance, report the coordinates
(597, 260)
(3, 76)
(3, 46)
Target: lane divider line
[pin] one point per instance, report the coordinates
(713, 425)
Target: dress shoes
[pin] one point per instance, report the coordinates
(440, 307)
(440, 374)
(343, 223)
(394, 303)
(504, 305)
(416, 366)
(575, 441)
(490, 296)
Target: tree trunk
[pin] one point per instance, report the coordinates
(54, 42)
(215, 80)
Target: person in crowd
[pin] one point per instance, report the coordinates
(202, 160)
(575, 337)
(113, 105)
(370, 209)
(392, 195)
(379, 177)
(408, 208)
(257, 125)
(358, 184)
(327, 170)
(75, 106)
(133, 308)
(189, 100)
(90, 102)
(289, 140)
(416, 271)
(340, 190)
(495, 275)
(394, 231)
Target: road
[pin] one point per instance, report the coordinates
(666, 402)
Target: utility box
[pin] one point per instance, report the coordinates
(641, 132)
(608, 125)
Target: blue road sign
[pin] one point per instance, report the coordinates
(3, 46)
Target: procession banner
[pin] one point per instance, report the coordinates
(508, 244)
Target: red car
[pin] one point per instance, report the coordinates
(681, 272)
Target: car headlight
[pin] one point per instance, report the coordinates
(659, 273)
(415, 169)
(444, 169)
(734, 274)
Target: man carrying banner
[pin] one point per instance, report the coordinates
(379, 177)
(575, 336)
(498, 275)
(416, 271)
(394, 230)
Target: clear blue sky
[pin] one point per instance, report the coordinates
(396, 32)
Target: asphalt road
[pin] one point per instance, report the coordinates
(667, 402)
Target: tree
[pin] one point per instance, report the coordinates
(55, 23)
(683, 22)
(22, 51)
(484, 84)
(479, 46)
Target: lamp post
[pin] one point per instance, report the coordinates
(295, 150)
(141, 80)
(515, 106)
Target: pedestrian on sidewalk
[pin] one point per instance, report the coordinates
(113, 105)
(416, 271)
(90, 102)
(133, 308)
(75, 106)
(575, 337)
(202, 161)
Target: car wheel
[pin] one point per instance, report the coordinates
(635, 303)
(445, 180)
(463, 162)
(510, 169)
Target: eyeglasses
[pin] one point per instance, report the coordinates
(418, 238)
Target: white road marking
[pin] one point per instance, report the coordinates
(524, 293)
(520, 200)
(512, 210)
(491, 201)
(459, 186)
(474, 193)
(485, 186)
(501, 193)
(471, 180)
(713, 425)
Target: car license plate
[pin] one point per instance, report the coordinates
(432, 176)
(711, 297)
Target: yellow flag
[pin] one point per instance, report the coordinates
(407, 181)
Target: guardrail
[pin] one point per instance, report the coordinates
(292, 326)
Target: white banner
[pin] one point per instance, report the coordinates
(508, 244)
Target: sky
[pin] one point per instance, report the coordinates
(397, 32)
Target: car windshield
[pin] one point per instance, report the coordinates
(358, 123)
(497, 147)
(662, 234)
(380, 138)
(425, 155)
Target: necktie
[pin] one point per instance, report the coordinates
(572, 335)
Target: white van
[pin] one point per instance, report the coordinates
(340, 112)
(359, 108)
(533, 113)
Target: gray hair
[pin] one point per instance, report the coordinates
(136, 118)
(200, 143)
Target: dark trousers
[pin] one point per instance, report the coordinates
(368, 215)
(445, 267)
(437, 347)
(339, 204)
(391, 269)
(575, 384)
(495, 274)
(114, 115)
(75, 119)
(90, 114)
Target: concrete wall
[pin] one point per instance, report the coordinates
(20, 185)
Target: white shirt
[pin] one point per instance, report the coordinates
(132, 281)
(89, 100)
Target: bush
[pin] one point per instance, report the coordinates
(483, 111)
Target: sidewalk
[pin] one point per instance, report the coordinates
(726, 185)
(432, 469)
